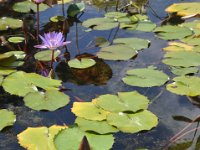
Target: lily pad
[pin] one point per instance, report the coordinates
(27, 6)
(194, 25)
(115, 14)
(185, 85)
(70, 139)
(6, 71)
(28, 82)
(57, 18)
(16, 39)
(116, 52)
(7, 118)
(192, 40)
(184, 9)
(101, 42)
(177, 46)
(6, 23)
(135, 43)
(132, 123)
(101, 127)
(46, 55)
(81, 64)
(40, 138)
(106, 26)
(182, 59)
(125, 101)
(169, 32)
(184, 71)
(50, 100)
(88, 110)
(75, 9)
(145, 77)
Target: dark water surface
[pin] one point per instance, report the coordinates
(163, 103)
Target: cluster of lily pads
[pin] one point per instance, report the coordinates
(107, 114)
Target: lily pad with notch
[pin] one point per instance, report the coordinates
(7, 118)
(46, 55)
(82, 63)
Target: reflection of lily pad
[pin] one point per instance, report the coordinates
(135, 43)
(185, 85)
(50, 100)
(7, 118)
(27, 6)
(40, 138)
(88, 111)
(6, 23)
(70, 139)
(16, 39)
(82, 63)
(101, 127)
(116, 52)
(184, 9)
(182, 59)
(28, 82)
(169, 32)
(125, 101)
(145, 77)
(46, 55)
(132, 123)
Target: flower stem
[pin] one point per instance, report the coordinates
(52, 59)
(38, 22)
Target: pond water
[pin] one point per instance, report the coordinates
(164, 104)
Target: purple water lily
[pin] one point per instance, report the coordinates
(38, 1)
(52, 40)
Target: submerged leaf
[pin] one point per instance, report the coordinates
(7, 118)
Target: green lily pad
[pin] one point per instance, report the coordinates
(184, 9)
(116, 52)
(75, 9)
(132, 123)
(50, 100)
(5, 56)
(169, 32)
(145, 26)
(40, 138)
(115, 15)
(184, 71)
(182, 59)
(64, 1)
(46, 55)
(57, 18)
(81, 64)
(19, 55)
(125, 101)
(185, 85)
(106, 26)
(194, 25)
(101, 127)
(6, 23)
(27, 6)
(101, 42)
(70, 139)
(135, 43)
(6, 71)
(7, 118)
(192, 40)
(145, 77)
(28, 82)
(16, 39)
(88, 110)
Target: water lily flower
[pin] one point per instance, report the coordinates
(52, 40)
(38, 1)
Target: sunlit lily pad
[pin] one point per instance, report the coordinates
(132, 123)
(184, 9)
(185, 85)
(182, 59)
(7, 118)
(27, 6)
(125, 101)
(135, 43)
(183, 71)
(70, 139)
(46, 55)
(194, 25)
(16, 39)
(28, 82)
(40, 138)
(169, 32)
(57, 18)
(116, 52)
(101, 127)
(145, 77)
(81, 64)
(50, 100)
(75, 9)
(6, 23)
(192, 40)
(88, 111)
(177, 46)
